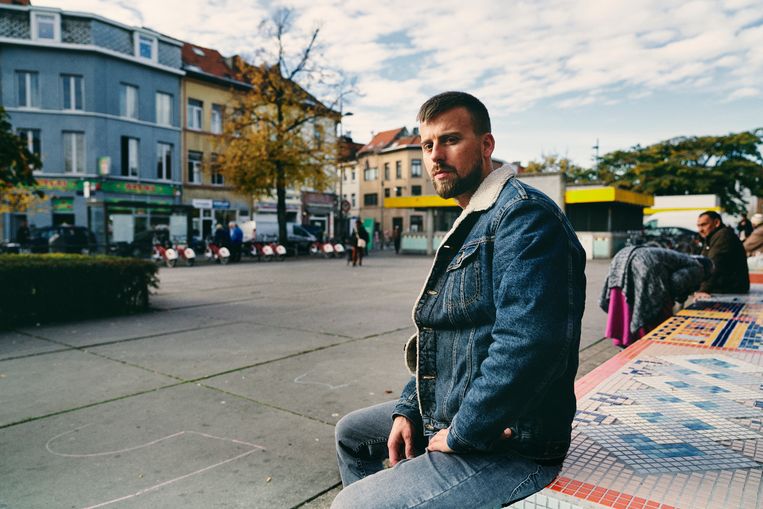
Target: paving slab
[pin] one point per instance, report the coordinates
(14, 344)
(44, 384)
(327, 384)
(195, 354)
(121, 328)
(185, 446)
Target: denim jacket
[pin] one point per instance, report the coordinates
(498, 326)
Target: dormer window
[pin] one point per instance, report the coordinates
(145, 46)
(46, 26)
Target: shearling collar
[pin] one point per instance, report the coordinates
(486, 194)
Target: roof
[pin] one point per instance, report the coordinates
(382, 140)
(405, 142)
(348, 149)
(207, 60)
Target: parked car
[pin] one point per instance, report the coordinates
(62, 239)
(670, 237)
(297, 237)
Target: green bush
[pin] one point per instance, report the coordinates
(55, 287)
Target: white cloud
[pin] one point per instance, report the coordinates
(513, 54)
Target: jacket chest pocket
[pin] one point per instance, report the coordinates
(463, 283)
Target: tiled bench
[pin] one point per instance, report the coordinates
(674, 421)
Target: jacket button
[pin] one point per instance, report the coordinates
(432, 292)
(428, 426)
(426, 329)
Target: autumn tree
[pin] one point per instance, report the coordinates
(721, 165)
(277, 134)
(17, 165)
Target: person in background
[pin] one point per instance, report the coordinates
(359, 243)
(396, 239)
(22, 234)
(236, 236)
(744, 227)
(723, 247)
(753, 244)
(221, 237)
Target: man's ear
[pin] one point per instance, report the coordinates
(488, 145)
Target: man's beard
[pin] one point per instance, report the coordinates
(458, 185)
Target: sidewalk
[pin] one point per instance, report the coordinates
(226, 395)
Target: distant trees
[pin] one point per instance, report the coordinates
(17, 166)
(721, 165)
(278, 135)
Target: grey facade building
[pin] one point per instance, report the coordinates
(100, 102)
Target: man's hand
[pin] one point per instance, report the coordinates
(439, 442)
(400, 441)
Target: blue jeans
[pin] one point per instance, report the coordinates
(431, 479)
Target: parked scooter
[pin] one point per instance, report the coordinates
(325, 249)
(162, 254)
(186, 254)
(338, 248)
(280, 251)
(217, 254)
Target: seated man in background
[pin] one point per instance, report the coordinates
(723, 247)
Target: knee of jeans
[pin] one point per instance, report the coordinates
(343, 429)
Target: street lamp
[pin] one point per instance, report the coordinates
(341, 172)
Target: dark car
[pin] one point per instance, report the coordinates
(670, 237)
(62, 239)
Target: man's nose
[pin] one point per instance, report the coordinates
(437, 154)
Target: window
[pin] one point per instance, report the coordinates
(46, 26)
(399, 169)
(163, 108)
(145, 46)
(415, 167)
(398, 191)
(28, 91)
(370, 173)
(417, 223)
(194, 167)
(386, 192)
(128, 101)
(352, 200)
(74, 152)
(353, 174)
(217, 177)
(386, 171)
(129, 156)
(73, 91)
(371, 199)
(32, 139)
(415, 190)
(194, 114)
(216, 119)
(164, 161)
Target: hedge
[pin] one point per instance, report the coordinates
(55, 287)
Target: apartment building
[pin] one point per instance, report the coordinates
(99, 101)
(209, 89)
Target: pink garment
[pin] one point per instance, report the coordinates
(619, 320)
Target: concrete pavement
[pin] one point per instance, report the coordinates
(226, 395)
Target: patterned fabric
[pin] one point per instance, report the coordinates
(651, 279)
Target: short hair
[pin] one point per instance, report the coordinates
(446, 101)
(712, 215)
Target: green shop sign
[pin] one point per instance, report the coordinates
(62, 204)
(108, 186)
(112, 186)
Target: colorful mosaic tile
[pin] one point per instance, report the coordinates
(721, 406)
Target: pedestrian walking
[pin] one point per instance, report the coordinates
(359, 243)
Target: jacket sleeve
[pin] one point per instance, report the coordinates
(407, 404)
(536, 307)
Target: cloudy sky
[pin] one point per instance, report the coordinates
(556, 75)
